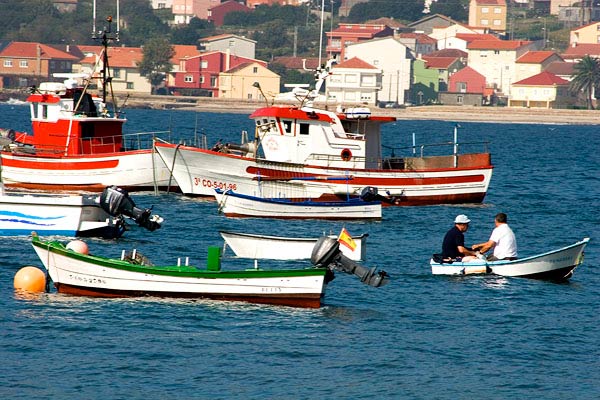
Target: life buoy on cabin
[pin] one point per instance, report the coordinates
(346, 155)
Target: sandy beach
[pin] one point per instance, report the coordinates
(433, 112)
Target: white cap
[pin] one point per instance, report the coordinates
(462, 219)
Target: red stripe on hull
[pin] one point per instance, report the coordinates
(421, 200)
(297, 300)
(60, 165)
(270, 174)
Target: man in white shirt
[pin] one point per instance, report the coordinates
(502, 240)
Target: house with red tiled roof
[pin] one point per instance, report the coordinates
(354, 81)
(575, 53)
(199, 75)
(445, 67)
(26, 63)
(534, 62)
(562, 69)
(239, 82)
(466, 87)
(488, 14)
(395, 61)
(586, 34)
(446, 35)
(418, 43)
(346, 34)
(496, 60)
(123, 67)
(217, 14)
(180, 51)
(544, 90)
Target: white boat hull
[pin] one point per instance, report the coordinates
(555, 265)
(199, 172)
(235, 205)
(246, 245)
(130, 170)
(47, 214)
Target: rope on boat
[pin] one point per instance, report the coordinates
(172, 167)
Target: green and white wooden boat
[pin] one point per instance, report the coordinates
(91, 275)
(78, 273)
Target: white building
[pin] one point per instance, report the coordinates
(393, 59)
(354, 82)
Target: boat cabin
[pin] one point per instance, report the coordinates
(319, 137)
(69, 121)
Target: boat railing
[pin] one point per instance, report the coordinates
(463, 148)
(97, 145)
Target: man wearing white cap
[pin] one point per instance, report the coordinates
(453, 246)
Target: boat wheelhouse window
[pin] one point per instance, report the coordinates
(304, 128)
(287, 126)
(44, 111)
(34, 110)
(87, 131)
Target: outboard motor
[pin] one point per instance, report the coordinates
(327, 253)
(370, 193)
(116, 201)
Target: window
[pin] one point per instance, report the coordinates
(188, 78)
(497, 22)
(129, 85)
(8, 63)
(203, 64)
(287, 126)
(335, 78)
(485, 22)
(485, 10)
(350, 96)
(597, 39)
(116, 73)
(459, 99)
(213, 81)
(365, 97)
(483, 53)
(201, 79)
(350, 78)
(497, 10)
(304, 129)
(368, 80)
(23, 64)
(461, 87)
(255, 70)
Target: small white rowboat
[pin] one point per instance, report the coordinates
(553, 265)
(247, 245)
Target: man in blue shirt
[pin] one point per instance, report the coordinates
(453, 246)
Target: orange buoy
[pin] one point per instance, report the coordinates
(78, 246)
(30, 279)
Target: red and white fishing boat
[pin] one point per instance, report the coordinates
(77, 143)
(315, 153)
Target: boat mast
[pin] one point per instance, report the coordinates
(106, 38)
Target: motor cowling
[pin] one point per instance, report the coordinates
(116, 202)
(327, 253)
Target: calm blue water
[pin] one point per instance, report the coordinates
(420, 337)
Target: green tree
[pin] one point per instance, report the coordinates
(587, 78)
(156, 62)
(190, 33)
(405, 10)
(458, 10)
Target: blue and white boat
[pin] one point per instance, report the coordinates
(71, 215)
(233, 204)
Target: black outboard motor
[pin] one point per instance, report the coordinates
(327, 253)
(116, 201)
(370, 193)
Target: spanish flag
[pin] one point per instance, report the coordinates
(346, 239)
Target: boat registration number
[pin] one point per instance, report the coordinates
(214, 184)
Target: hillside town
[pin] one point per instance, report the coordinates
(385, 63)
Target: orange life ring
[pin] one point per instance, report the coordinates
(346, 155)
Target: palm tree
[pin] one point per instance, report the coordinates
(587, 78)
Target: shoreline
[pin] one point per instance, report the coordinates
(485, 114)
(431, 112)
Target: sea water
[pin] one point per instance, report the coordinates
(420, 337)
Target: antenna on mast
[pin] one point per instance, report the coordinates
(106, 38)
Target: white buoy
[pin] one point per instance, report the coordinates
(78, 246)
